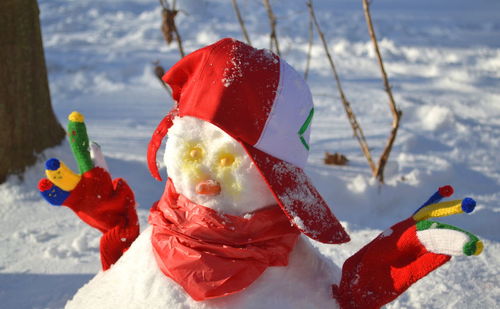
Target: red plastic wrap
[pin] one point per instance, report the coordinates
(211, 254)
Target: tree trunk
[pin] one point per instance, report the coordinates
(27, 122)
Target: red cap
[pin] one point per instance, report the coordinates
(259, 100)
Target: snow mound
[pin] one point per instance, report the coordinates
(435, 117)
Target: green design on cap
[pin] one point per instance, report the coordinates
(304, 128)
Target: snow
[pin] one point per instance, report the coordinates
(242, 187)
(135, 281)
(435, 117)
(443, 59)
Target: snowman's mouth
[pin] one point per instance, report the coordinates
(208, 187)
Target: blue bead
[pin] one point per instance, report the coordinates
(52, 164)
(468, 204)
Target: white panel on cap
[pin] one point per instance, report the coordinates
(291, 108)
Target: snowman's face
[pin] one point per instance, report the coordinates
(212, 169)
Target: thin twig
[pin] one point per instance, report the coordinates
(309, 47)
(396, 114)
(164, 4)
(242, 23)
(159, 71)
(168, 24)
(272, 22)
(179, 41)
(358, 132)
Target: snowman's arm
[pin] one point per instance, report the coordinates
(403, 254)
(105, 204)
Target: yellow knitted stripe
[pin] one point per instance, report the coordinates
(63, 177)
(479, 248)
(442, 209)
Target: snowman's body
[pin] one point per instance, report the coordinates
(136, 281)
(198, 152)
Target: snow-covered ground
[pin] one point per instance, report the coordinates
(443, 59)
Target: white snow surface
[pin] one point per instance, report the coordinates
(443, 60)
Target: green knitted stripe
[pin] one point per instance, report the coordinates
(469, 248)
(79, 142)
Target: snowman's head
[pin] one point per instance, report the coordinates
(212, 169)
(247, 116)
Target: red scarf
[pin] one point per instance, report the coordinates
(211, 254)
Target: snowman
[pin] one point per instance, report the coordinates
(231, 228)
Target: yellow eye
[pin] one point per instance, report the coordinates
(194, 154)
(226, 160)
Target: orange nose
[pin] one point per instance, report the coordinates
(208, 187)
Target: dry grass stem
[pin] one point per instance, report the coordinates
(309, 47)
(358, 132)
(159, 71)
(168, 27)
(396, 114)
(272, 21)
(240, 20)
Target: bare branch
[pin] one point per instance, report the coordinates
(179, 41)
(168, 27)
(309, 47)
(242, 23)
(358, 132)
(272, 22)
(164, 4)
(396, 114)
(159, 71)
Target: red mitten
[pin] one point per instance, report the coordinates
(403, 254)
(105, 204)
(101, 202)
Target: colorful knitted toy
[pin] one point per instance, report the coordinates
(105, 204)
(405, 253)
(241, 110)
